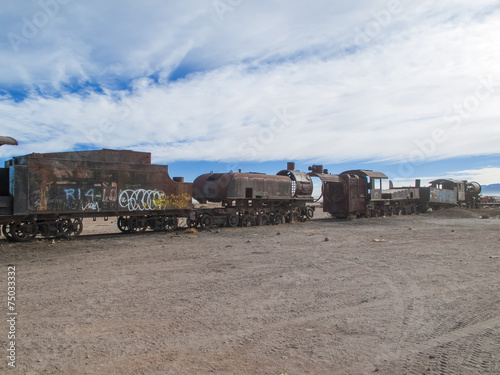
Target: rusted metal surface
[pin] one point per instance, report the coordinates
(354, 192)
(5, 206)
(211, 187)
(221, 187)
(333, 190)
(448, 184)
(472, 191)
(93, 183)
(302, 185)
(8, 141)
(373, 186)
(101, 156)
(366, 173)
(402, 193)
(433, 196)
(473, 187)
(259, 186)
(336, 197)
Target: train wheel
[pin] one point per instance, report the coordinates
(309, 212)
(157, 223)
(6, 231)
(233, 220)
(264, 219)
(191, 223)
(172, 223)
(122, 224)
(137, 224)
(23, 231)
(206, 221)
(294, 217)
(70, 228)
(247, 221)
(278, 218)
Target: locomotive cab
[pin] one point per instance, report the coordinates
(364, 186)
(351, 192)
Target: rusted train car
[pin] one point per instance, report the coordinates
(448, 193)
(254, 198)
(51, 193)
(360, 193)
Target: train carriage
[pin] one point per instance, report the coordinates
(50, 193)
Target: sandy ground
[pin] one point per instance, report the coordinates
(402, 295)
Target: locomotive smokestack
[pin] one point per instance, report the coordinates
(290, 166)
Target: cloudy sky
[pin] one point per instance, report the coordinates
(408, 88)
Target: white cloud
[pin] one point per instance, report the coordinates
(485, 176)
(381, 99)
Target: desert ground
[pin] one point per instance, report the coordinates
(415, 294)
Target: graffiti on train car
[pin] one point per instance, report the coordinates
(91, 198)
(71, 197)
(151, 200)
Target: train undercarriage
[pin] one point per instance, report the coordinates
(240, 214)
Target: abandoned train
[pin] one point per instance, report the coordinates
(49, 194)
(360, 193)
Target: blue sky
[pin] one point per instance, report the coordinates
(410, 89)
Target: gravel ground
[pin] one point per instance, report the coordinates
(402, 295)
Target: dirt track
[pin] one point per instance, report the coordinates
(320, 297)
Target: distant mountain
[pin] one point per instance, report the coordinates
(493, 189)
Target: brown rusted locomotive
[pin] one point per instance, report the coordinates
(255, 198)
(360, 193)
(50, 194)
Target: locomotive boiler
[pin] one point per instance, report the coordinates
(255, 198)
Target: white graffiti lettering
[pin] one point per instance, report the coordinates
(94, 206)
(142, 200)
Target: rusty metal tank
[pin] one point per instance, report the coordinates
(92, 183)
(222, 187)
(302, 184)
(473, 188)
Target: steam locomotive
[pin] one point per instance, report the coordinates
(359, 193)
(49, 194)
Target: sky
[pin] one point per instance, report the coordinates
(411, 89)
